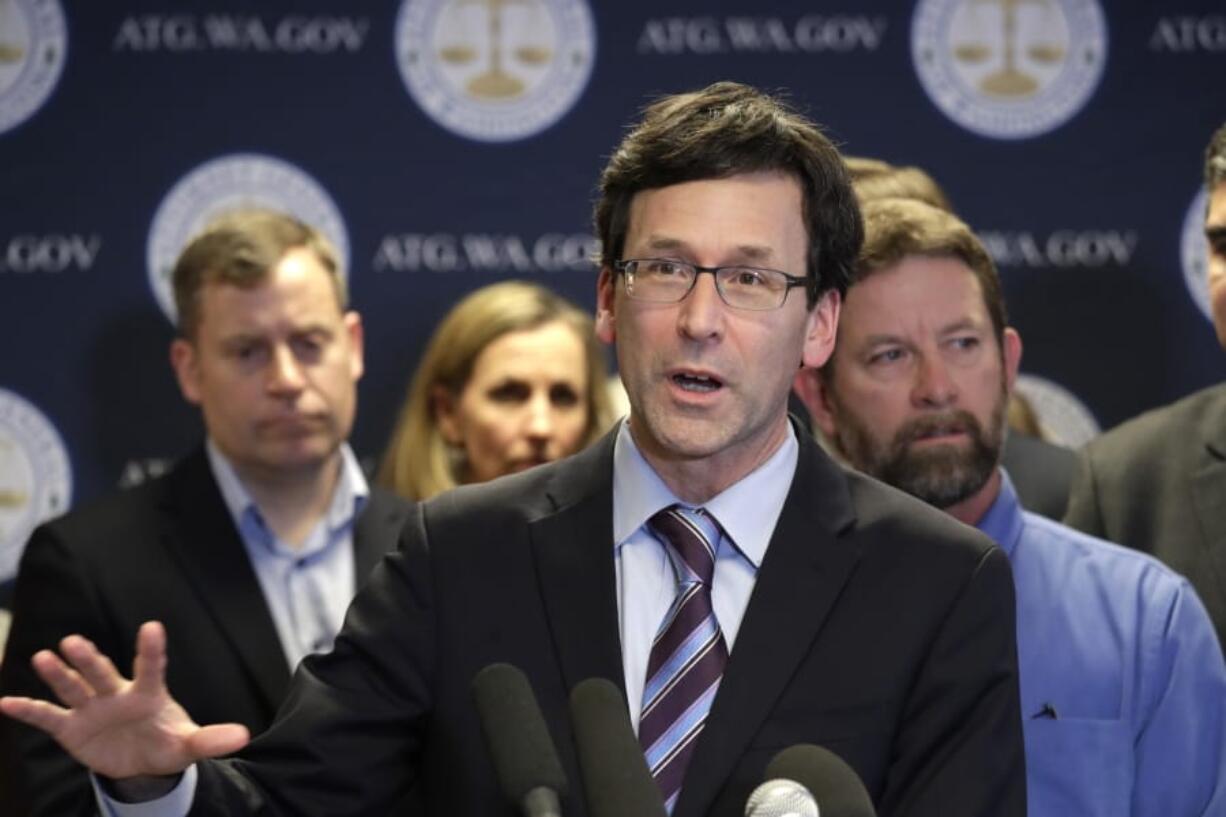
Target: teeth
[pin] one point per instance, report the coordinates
(692, 382)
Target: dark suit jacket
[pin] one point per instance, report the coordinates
(167, 550)
(1157, 483)
(878, 627)
(1041, 472)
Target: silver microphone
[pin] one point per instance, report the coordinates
(781, 798)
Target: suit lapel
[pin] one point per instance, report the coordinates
(201, 534)
(376, 531)
(801, 576)
(573, 547)
(1209, 492)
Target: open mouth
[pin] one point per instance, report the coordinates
(699, 383)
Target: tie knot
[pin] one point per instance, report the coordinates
(693, 535)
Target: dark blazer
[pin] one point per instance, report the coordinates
(167, 550)
(1042, 473)
(878, 627)
(1157, 483)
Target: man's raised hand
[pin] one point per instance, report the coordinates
(120, 728)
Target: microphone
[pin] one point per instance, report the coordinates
(834, 786)
(615, 774)
(523, 753)
(781, 798)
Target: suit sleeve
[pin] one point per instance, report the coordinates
(54, 598)
(959, 747)
(1181, 743)
(347, 740)
(1083, 511)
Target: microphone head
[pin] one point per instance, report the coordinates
(781, 798)
(835, 786)
(615, 775)
(522, 751)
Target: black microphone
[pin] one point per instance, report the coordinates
(615, 774)
(524, 756)
(835, 786)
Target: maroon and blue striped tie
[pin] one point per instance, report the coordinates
(688, 655)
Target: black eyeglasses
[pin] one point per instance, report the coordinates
(664, 281)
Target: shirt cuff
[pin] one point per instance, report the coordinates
(175, 803)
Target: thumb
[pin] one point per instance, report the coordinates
(218, 739)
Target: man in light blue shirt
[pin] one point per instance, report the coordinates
(1123, 687)
(252, 547)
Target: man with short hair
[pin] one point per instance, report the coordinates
(252, 547)
(1157, 483)
(1123, 686)
(746, 592)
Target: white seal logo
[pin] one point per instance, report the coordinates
(1009, 69)
(1194, 254)
(495, 70)
(35, 476)
(33, 45)
(1064, 418)
(233, 183)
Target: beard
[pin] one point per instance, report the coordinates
(941, 475)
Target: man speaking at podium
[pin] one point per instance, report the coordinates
(789, 601)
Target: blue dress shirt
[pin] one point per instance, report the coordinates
(1123, 685)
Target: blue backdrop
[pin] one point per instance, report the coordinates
(448, 143)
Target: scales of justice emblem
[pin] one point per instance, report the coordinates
(495, 70)
(1009, 68)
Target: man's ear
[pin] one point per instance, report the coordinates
(184, 361)
(811, 387)
(606, 301)
(821, 329)
(1011, 354)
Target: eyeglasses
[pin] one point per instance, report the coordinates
(663, 281)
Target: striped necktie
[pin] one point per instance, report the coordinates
(688, 655)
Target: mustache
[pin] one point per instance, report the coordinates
(950, 422)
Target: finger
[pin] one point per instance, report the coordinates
(97, 670)
(40, 714)
(149, 666)
(219, 739)
(64, 681)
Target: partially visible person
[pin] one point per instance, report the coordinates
(251, 548)
(878, 179)
(1041, 470)
(513, 377)
(1123, 685)
(1157, 483)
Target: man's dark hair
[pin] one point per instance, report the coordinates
(240, 249)
(1215, 159)
(723, 130)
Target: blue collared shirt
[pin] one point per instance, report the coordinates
(308, 588)
(1123, 684)
(646, 584)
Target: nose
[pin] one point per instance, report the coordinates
(702, 311)
(285, 375)
(539, 423)
(934, 388)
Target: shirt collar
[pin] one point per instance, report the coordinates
(348, 497)
(1003, 521)
(746, 510)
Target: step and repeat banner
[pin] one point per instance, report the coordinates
(446, 144)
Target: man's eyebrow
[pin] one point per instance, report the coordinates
(750, 252)
(1215, 232)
